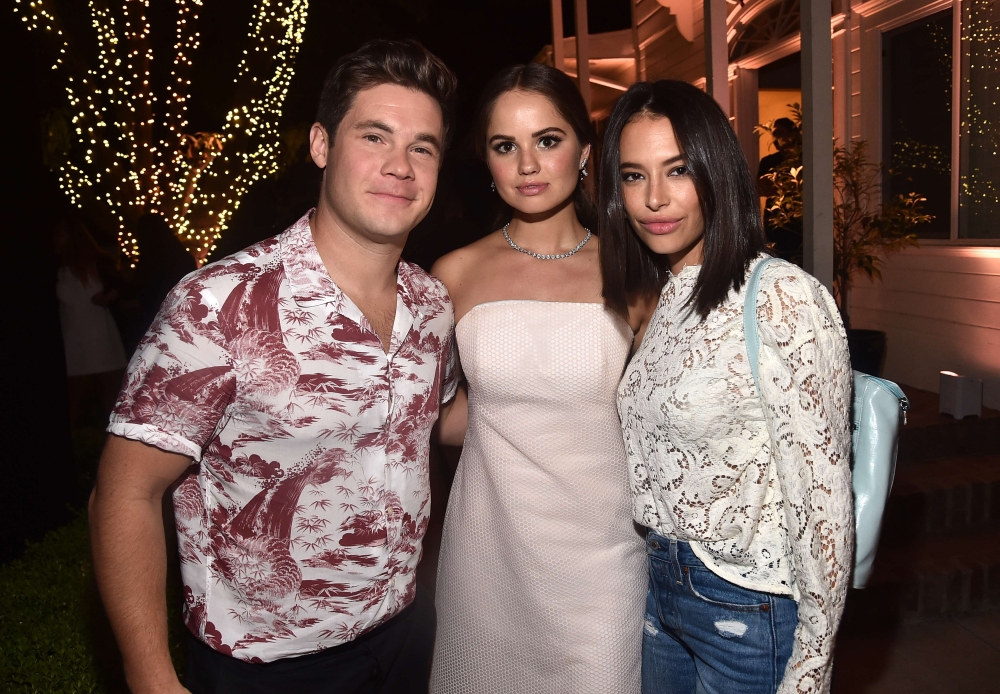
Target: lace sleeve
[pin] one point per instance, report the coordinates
(805, 375)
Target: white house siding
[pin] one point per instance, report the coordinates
(666, 54)
(940, 306)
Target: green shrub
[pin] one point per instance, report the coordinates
(54, 637)
(45, 635)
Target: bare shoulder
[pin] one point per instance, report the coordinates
(455, 269)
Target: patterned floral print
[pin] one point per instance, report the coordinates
(301, 525)
(762, 492)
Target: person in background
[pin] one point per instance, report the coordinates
(542, 574)
(745, 495)
(784, 137)
(786, 241)
(87, 283)
(287, 395)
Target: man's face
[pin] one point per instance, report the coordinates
(782, 138)
(381, 170)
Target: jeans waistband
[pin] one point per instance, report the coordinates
(671, 549)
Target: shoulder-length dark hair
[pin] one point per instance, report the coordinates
(561, 91)
(734, 234)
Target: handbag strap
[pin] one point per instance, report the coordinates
(750, 331)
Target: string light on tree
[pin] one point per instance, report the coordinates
(980, 200)
(113, 166)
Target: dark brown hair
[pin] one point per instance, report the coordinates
(405, 63)
(734, 234)
(561, 91)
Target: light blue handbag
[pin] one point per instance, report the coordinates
(878, 412)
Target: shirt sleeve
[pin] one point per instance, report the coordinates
(806, 380)
(180, 379)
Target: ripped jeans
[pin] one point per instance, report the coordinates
(705, 635)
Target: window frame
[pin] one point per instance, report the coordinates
(878, 17)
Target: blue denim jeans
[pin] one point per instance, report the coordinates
(705, 635)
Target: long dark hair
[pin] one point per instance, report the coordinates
(561, 91)
(734, 234)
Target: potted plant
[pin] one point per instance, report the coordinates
(866, 228)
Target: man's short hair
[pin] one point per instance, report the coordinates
(786, 124)
(406, 63)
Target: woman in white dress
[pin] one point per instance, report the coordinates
(95, 357)
(542, 577)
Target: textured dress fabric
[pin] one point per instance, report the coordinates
(760, 486)
(90, 336)
(542, 579)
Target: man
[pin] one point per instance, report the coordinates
(302, 376)
(786, 242)
(785, 138)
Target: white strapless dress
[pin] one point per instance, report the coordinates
(541, 587)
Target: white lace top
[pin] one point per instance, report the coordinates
(762, 493)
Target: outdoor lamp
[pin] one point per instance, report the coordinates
(961, 396)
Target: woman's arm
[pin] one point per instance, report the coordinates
(805, 378)
(454, 417)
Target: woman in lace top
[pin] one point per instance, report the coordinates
(745, 495)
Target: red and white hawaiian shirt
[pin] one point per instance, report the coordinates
(302, 525)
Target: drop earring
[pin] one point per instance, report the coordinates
(583, 170)
(493, 186)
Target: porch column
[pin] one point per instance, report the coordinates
(817, 141)
(746, 110)
(635, 42)
(717, 53)
(558, 47)
(842, 84)
(583, 51)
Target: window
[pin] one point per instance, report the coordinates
(979, 180)
(916, 120)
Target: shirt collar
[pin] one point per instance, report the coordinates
(311, 284)
(308, 278)
(687, 272)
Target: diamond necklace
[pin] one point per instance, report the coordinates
(545, 257)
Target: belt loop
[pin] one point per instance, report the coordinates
(675, 561)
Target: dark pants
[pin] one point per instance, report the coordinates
(393, 658)
(704, 634)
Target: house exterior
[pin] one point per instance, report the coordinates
(933, 120)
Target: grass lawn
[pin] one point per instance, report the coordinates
(54, 638)
(46, 617)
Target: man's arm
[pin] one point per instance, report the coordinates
(454, 419)
(130, 557)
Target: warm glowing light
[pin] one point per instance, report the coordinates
(111, 160)
(980, 129)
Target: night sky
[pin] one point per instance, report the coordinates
(474, 37)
